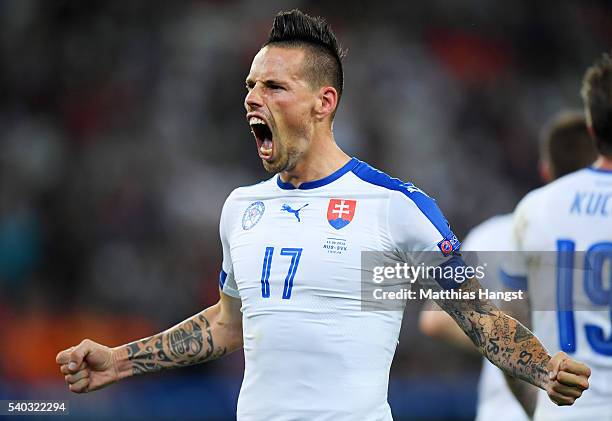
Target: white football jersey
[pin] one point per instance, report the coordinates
(495, 400)
(293, 257)
(570, 290)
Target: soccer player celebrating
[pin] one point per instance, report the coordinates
(565, 147)
(290, 278)
(570, 296)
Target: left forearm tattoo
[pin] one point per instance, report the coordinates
(503, 340)
(190, 342)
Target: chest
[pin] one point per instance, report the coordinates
(283, 248)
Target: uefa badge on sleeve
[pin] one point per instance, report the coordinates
(449, 245)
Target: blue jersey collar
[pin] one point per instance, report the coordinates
(321, 182)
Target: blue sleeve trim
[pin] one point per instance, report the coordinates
(515, 283)
(222, 277)
(426, 204)
(450, 283)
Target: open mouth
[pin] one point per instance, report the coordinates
(263, 137)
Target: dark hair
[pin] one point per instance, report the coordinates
(597, 95)
(566, 145)
(297, 29)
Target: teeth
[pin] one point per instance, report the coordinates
(266, 147)
(256, 120)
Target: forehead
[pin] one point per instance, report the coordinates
(278, 63)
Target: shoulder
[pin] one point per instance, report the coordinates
(493, 225)
(404, 196)
(490, 233)
(572, 180)
(398, 189)
(253, 191)
(545, 196)
(375, 177)
(531, 200)
(243, 199)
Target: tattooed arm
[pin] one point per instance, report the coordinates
(437, 324)
(205, 336)
(526, 394)
(514, 349)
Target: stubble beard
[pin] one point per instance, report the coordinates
(286, 159)
(275, 167)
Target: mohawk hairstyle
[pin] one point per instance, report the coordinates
(597, 95)
(297, 29)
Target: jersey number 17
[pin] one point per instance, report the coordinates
(295, 254)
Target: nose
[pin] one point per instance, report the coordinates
(253, 98)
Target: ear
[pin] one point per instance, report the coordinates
(327, 101)
(591, 131)
(545, 172)
(589, 122)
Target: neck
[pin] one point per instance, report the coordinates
(603, 163)
(323, 158)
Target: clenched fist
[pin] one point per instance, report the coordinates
(87, 367)
(568, 379)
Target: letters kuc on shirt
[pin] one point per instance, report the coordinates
(591, 203)
(293, 256)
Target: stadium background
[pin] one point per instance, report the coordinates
(123, 131)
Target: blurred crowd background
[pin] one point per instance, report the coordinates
(123, 131)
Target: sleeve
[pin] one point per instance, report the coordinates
(422, 236)
(514, 269)
(227, 283)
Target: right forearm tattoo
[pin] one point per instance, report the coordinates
(190, 342)
(500, 338)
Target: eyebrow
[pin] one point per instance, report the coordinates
(250, 82)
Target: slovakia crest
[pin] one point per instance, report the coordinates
(252, 215)
(340, 212)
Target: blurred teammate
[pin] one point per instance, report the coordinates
(565, 147)
(291, 272)
(570, 294)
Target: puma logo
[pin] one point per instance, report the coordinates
(296, 212)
